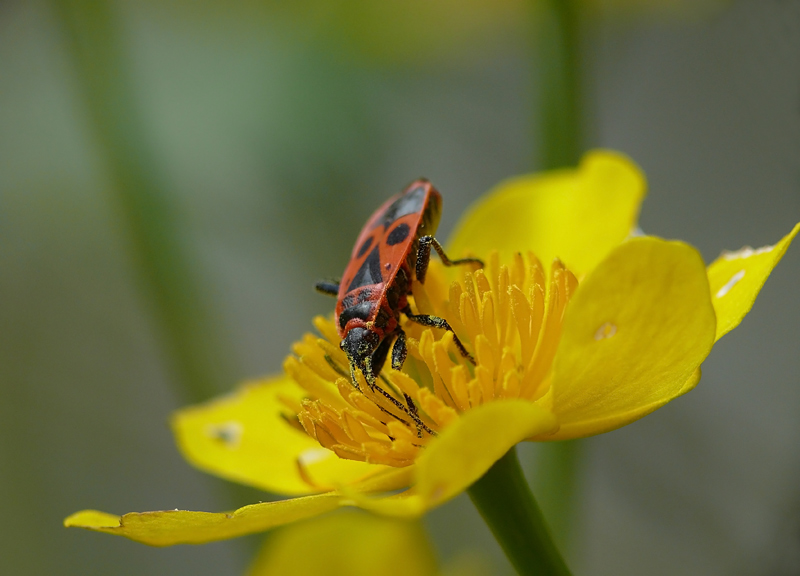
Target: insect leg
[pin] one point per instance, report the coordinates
(353, 378)
(379, 356)
(369, 375)
(424, 257)
(409, 409)
(329, 287)
(436, 322)
(399, 350)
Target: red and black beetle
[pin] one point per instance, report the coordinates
(393, 248)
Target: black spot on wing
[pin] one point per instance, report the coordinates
(361, 311)
(365, 246)
(409, 203)
(399, 234)
(348, 300)
(369, 273)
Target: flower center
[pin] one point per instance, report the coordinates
(509, 316)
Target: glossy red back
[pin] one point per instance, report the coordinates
(382, 248)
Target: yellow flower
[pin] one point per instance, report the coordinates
(417, 32)
(348, 544)
(576, 327)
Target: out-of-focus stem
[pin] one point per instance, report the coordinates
(556, 481)
(557, 82)
(559, 134)
(189, 333)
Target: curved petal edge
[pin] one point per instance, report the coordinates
(736, 278)
(170, 527)
(633, 337)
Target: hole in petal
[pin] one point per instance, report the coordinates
(730, 283)
(607, 330)
(229, 433)
(437, 494)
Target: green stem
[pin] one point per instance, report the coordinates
(188, 332)
(560, 139)
(506, 503)
(556, 482)
(557, 82)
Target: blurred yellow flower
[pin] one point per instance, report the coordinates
(394, 32)
(348, 544)
(577, 329)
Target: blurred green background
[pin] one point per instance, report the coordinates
(273, 130)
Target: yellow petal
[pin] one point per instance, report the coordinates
(634, 334)
(388, 480)
(168, 527)
(408, 504)
(736, 278)
(577, 215)
(243, 437)
(324, 470)
(348, 544)
(463, 453)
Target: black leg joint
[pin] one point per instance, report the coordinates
(424, 257)
(436, 322)
(399, 351)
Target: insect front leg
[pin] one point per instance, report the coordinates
(399, 350)
(436, 322)
(353, 378)
(369, 374)
(424, 257)
(328, 287)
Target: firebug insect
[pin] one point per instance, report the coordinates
(394, 247)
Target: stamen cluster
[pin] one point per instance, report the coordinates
(508, 315)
